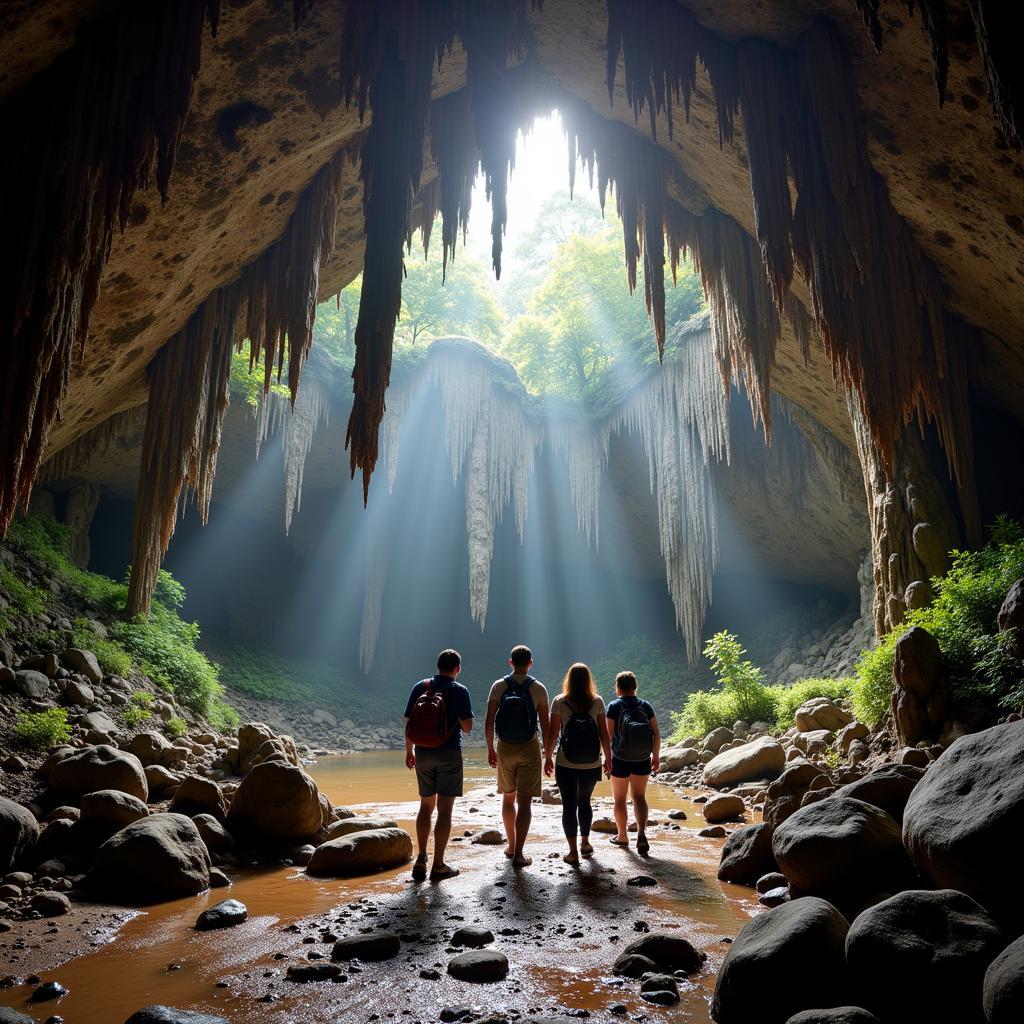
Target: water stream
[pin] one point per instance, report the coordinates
(565, 926)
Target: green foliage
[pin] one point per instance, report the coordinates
(223, 717)
(976, 659)
(23, 599)
(175, 728)
(113, 658)
(789, 698)
(247, 383)
(42, 730)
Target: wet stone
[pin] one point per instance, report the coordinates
(480, 965)
(472, 935)
(48, 990)
(375, 945)
(223, 915)
(642, 881)
(320, 971)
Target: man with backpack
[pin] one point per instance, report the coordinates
(438, 712)
(517, 711)
(636, 752)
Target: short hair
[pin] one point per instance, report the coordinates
(448, 661)
(626, 681)
(521, 656)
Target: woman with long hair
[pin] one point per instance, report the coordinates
(578, 725)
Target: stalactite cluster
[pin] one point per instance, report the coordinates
(92, 130)
(94, 443)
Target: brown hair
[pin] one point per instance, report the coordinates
(448, 661)
(626, 681)
(578, 686)
(521, 656)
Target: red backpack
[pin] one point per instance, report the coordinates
(428, 722)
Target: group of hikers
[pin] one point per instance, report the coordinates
(574, 738)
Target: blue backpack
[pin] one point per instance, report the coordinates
(516, 717)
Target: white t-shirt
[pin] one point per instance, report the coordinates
(561, 712)
(538, 693)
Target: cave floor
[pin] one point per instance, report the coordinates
(563, 926)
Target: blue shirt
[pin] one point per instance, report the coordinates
(457, 703)
(614, 711)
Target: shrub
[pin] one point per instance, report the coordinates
(42, 730)
(223, 717)
(976, 658)
(789, 698)
(138, 709)
(175, 727)
(113, 658)
(24, 599)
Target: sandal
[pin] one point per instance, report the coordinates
(616, 841)
(586, 850)
(571, 858)
(642, 845)
(440, 874)
(419, 869)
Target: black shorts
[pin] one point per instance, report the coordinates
(623, 769)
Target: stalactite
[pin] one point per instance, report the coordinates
(101, 123)
(189, 379)
(375, 575)
(803, 326)
(586, 457)
(77, 455)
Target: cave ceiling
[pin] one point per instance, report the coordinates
(266, 116)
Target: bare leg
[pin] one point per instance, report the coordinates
(620, 787)
(638, 790)
(426, 811)
(443, 829)
(522, 826)
(508, 817)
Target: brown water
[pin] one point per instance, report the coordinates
(571, 923)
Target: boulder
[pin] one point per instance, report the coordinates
(717, 738)
(80, 694)
(962, 823)
(276, 802)
(19, 832)
(32, 684)
(723, 808)
(159, 778)
(1003, 992)
(787, 791)
(368, 946)
(633, 965)
(922, 955)
(667, 952)
(492, 837)
(169, 1015)
(888, 787)
(51, 904)
(813, 743)
(1011, 617)
(99, 722)
(762, 758)
(850, 733)
(820, 714)
(676, 758)
(99, 767)
(84, 662)
(112, 807)
(148, 746)
(349, 825)
(472, 935)
(319, 971)
(841, 848)
(361, 853)
(217, 838)
(9, 1016)
(920, 701)
(479, 965)
(157, 857)
(197, 795)
(250, 737)
(225, 914)
(838, 1015)
(781, 962)
(747, 855)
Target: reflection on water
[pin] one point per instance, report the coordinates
(565, 926)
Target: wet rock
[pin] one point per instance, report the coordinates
(19, 832)
(962, 821)
(489, 837)
(153, 858)
(349, 825)
(888, 787)
(676, 815)
(169, 1015)
(218, 880)
(321, 971)
(84, 662)
(361, 853)
(225, 914)
(9, 1016)
(841, 847)
(659, 989)
(196, 795)
(479, 965)
(633, 965)
(450, 1014)
(603, 825)
(31, 684)
(775, 897)
(1003, 992)
(47, 991)
(747, 855)
(723, 808)
(713, 832)
(922, 955)
(370, 946)
(51, 904)
(276, 801)
(781, 962)
(668, 953)
(642, 881)
(99, 767)
(112, 807)
(838, 1015)
(759, 759)
(472, 935)
(772, 880)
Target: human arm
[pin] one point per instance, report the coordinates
(466, 712)
(543, 714)
(552, 738)
(410, 756)
(492, 710)
(656, 754)
(606, 743)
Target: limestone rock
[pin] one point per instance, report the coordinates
(838, 1015)
(217, 838)
(667, 952)
(369, 946)
(225, 914)
(717, 738)
(723, 808)
(781, 962)
(849, 733)
(676, 758)
(157, 857)
(148, 746)
(920, 702)
(761, 758)
(362, 853)
(747, 855)
(888, 787)
(820, 713)
(80, 694)
(276, 802)
(78, 660)
(99, 767)
(962, 822)
(479, 965)
(787, 791)
(112, 807)
(159, 778)
(1003, 994)
(197, 795)
(922, 955)
(349, 825)
(19, 832)
(1011, 617)
(51, 904)
(31, 684)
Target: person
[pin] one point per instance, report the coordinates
(636, 752)
(578, 725)
(517, 710)
(438, 712)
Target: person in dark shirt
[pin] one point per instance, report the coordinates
(630, 776)
(439, 768)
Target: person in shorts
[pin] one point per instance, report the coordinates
(438, 768)
(632, 727)
(517, 711)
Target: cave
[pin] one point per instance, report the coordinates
(678, 341)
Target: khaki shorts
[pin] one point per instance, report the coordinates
(438, 772)
(519, 767)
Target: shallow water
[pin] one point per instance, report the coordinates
(570, 924)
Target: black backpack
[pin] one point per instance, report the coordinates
(580, 738)
(634, 733)
(516, 717)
